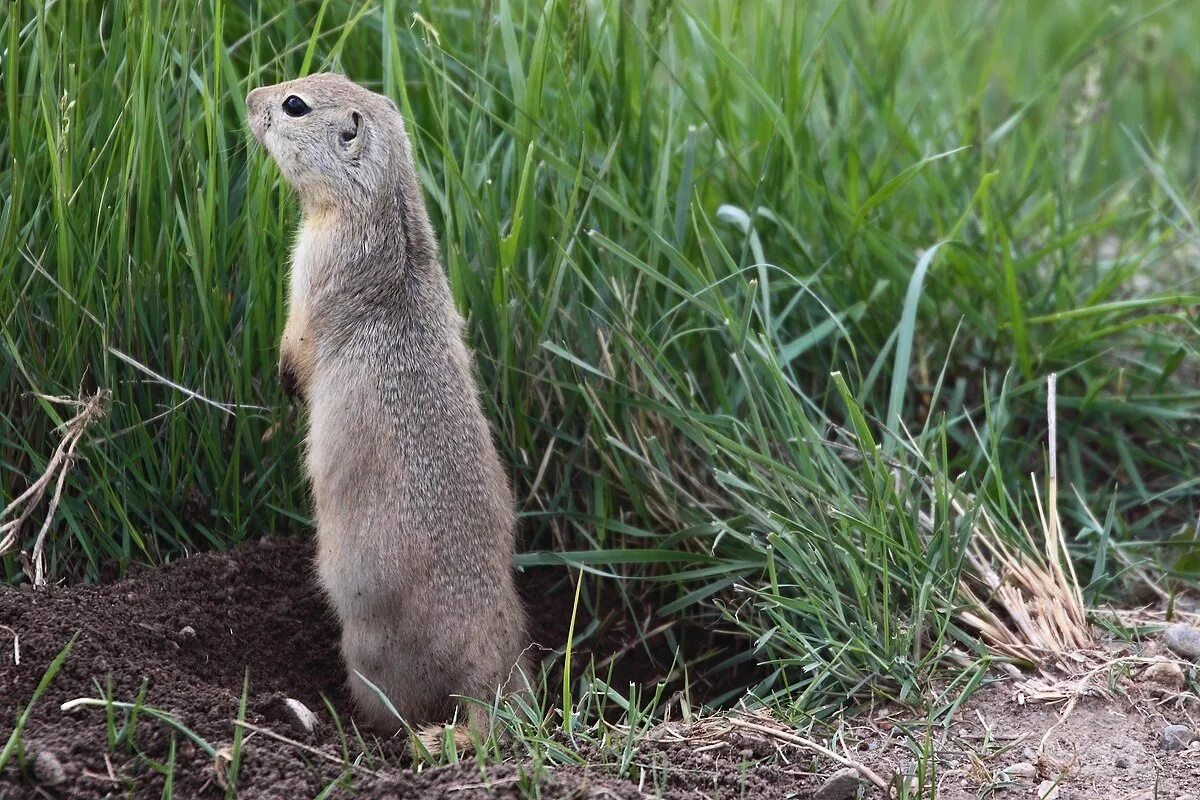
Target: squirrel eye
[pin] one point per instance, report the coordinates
(295, 107)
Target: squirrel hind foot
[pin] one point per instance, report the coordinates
(435, 741)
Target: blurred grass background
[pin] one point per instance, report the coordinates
(758, 290)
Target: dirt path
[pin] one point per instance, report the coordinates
(195, 630)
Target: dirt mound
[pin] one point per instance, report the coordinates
(192, 633)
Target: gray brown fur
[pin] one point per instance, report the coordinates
(414, 514)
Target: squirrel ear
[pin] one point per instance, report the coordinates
(349, 135)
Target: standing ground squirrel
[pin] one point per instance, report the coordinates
(414, 515)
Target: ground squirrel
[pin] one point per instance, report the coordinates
(414, 515)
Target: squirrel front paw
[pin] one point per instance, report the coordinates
(288, 379)
(296, 354)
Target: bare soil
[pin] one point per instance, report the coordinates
(1106, 747)
(193, 632)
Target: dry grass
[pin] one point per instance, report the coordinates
(88, 411)
(1024, 604)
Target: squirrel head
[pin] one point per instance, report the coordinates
(338, 144)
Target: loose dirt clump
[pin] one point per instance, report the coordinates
(193, 632)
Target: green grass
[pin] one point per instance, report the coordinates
(758, 290)
(616, 733)
(14, 745)
(610, 725)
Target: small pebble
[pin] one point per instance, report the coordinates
(47, 769)
(299, 716)
(1184, 640)
(1166, 674)
(1011, 669)
(187, 632)
(842, 785)
(1177, 737)
(1022, 769)
(1047, 790)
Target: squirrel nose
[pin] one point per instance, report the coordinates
(254, 99)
